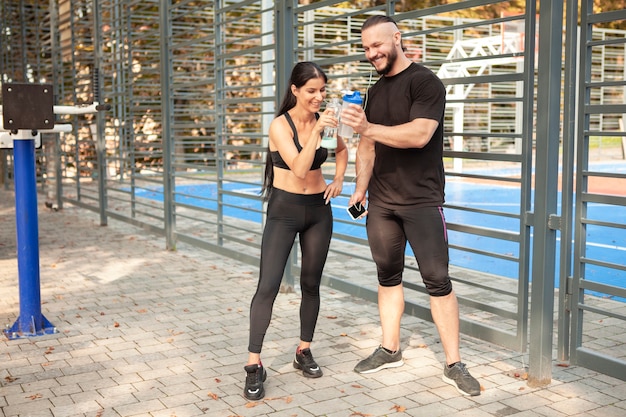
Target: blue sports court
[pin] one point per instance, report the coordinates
(605, 244)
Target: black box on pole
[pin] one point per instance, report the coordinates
(27, 106)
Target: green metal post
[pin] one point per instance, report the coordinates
(166, 134)
(545, 205)
(285, 60)
(567, 199)
(99, 128)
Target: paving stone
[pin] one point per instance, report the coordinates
(147, 332)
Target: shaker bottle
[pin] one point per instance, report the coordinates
(329, 137)
(346, 131)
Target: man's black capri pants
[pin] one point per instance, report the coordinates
(388, 231)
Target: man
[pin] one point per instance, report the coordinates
(400, 165)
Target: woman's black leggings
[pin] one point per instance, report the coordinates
(287, 215)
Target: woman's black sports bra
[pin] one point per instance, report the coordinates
(320, 154)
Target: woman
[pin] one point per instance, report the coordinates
(298, 203)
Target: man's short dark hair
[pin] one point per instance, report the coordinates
(376, 20)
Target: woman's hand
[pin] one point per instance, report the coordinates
(333, 189)
(327, 119)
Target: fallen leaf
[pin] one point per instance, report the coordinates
(212, 395)
(116, 324)
(273, 398)
(398, 408)
(343, 334)
(331, 317)
(35, 396)
(217, 380)
(357, 413)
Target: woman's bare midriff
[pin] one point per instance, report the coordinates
(313, 182)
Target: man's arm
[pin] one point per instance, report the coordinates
(414, 134)
(364, 165)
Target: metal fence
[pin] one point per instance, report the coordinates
(193, 87)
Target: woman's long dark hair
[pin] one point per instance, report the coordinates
(302, 72)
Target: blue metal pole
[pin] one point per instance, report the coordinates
(30, 321)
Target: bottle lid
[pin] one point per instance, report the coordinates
(353, 97)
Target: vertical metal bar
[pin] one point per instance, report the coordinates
(391, 7)
(545, 203)
(23, 41)
(166, 124)
(220, 112)
(285, 56)
(268, 71)
(582, 164)
(567, 182)
(4, 61)
(73, 68)
(528, 91)
(285, 18)
(54, 46)
(100, 140)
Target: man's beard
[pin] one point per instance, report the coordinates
(391, 59)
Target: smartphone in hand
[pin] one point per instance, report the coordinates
(356, 210)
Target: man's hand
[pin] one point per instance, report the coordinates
(354, 116)
(358, 197)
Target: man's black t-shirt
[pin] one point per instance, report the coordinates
(411, 176)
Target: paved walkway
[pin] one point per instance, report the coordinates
(147, 332)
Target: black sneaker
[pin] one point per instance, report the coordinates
(380, 359)
(255, 376)
(459, 377)
(304, 360)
